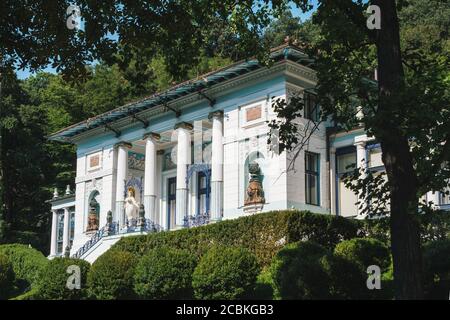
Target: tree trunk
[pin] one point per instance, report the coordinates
(405, 236)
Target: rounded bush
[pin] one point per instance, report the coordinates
(346, 280)
(365, 252)
(27, 263)
(225, 273)
(7, 277)
(165, 273)
(52, 284)
(111, 276)
(297, 272)
(437, 269)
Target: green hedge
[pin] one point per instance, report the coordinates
(52, 283)
(307, 270)
(165, 273)
(225, 273)
(111, 276)
(27, 263)
(365, 252)
(263, 234)
(436, 256)
(7, 277)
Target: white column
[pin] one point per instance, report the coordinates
(160, 215)
(53, 243)
(361, 161)
(183, 160)
(332, 171)
(216, 198)
(150, 177)
(433, 196)
(122, 172)
(66, 231)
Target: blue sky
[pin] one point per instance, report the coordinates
(22, 74)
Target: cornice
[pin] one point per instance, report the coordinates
(261, 74)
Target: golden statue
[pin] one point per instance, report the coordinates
(93, 216)
(255, 192)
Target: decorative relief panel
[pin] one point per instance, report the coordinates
(94, 161)
(136, 161)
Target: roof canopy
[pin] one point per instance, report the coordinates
(203, 82)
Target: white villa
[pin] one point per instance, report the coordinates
(197, 153)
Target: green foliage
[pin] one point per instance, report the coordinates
(225, 273)
(306, 270)
(52, 283)
(364, 252)
(263, 234)
(326, 230)
(27, 263)
(297, 273)
(32, 294)
(111, 276)
(165, 273)
(265, 287)
(7, 277)
(437, 269)
(346, 280)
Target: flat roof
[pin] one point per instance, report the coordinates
(287, 52)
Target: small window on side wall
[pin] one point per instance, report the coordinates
(312, 183)
(312, 110)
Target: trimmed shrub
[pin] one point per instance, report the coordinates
(263, 234)
(297, 272)
(111, 276)
(27, 263)
(165, 273)
(346, 280)
(326, 230)
(265, 287)
(52, 284)
(225, 273)
(33, 294)
(7, 277)
(365, 252)
(437, 269)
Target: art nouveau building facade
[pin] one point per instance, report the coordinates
(198, 153)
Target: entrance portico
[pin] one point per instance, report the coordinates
(192, 154)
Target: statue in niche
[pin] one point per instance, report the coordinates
(131, 205)
(255, 192)
(93, 216)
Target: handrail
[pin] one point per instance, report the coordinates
(196, 221)
(113, 229)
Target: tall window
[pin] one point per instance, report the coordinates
(72, 226)
(312, 178)
(60, 232)
(203, 193)
(311, 107)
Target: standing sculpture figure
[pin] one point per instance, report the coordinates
(131, 205)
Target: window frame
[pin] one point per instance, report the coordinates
(311, 112)
(316, 174)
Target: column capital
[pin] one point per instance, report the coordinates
(360, 140)
(125, 144)
(152, 135)
(183, 125)
(215, 114)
